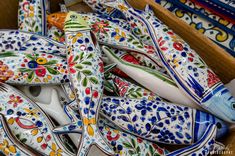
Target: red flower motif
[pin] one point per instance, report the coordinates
(71, 63)
(139, 140)
(100, 27)
(122, 86)
(161, 43)
(170, 33)
(178, 46)
(119, 73)
(131, 59)
(5, 73)
(101, 67)
(110, 138)
(40, 71)
(150, 49)
(212, 78)
(133, 25)
(160, 151)
(15, 100)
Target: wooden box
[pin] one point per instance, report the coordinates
(220, 61)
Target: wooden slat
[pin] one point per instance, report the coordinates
(8, 14)
(217, 58)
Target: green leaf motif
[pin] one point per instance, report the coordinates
(90, 56)
(79, 76)
(78, 66)
(76, 58)
(52, 71)
(151, 149)
(127, 145)
(7, 54)
(108, 86)
(138, 149)
(87, 63)
(94, 80)
(136, 42)
(30, 76)
(52, 62)
(81, 55)
(23, 70)
(131, 152)
(36, 29)
(87, 72)
(139, 94)
(133, 143)
(84, 82)
(24, 140)
(30, 56)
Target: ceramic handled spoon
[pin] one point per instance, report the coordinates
(184, 65)
(160, 121)
(124, 143)
(136, 26)
(111, 34)
(48, 98)
(157, 120)
(28, 121)
(17, 41)
(10, 145)
(87, 79)
(127, 89)
(32, 16)
(34, 68)
(151, 79)
(121, 142)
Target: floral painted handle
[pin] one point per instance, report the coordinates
(127, 89)
(127, 144)
(184, 65)
(29, 123)
(151, 79)
(86, 75)
(111, 34)
(35, 68)
(190, 72)
(23, 42)
(32, 16)
(10, 145)
(121, 142)
(160, 121)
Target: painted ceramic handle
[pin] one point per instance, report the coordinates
(35, 68)
(22, 42)
(152, 80)
(125, 144)
(86, 74)
(10, 145)
(29, 122)
(160, 121)
(184, 65)
(190, 72)
(111, 34)
(122, 143)
(32, 16)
